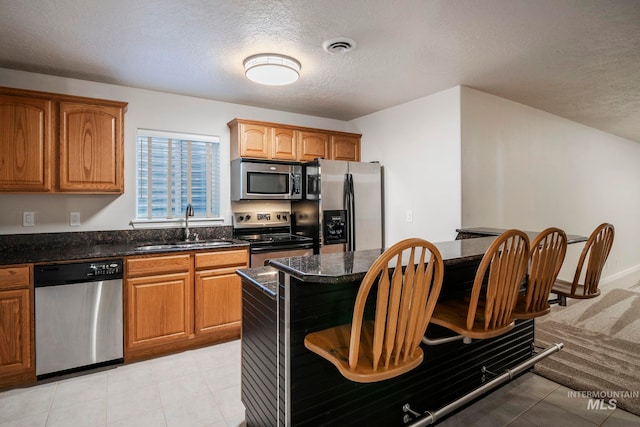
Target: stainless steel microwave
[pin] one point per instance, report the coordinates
(265, 180)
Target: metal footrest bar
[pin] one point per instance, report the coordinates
(486, 372)
(431, 417)
(438, 341)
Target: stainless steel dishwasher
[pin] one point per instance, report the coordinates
(78, 316)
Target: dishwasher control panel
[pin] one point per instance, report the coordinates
(104, 268)
(89, 271)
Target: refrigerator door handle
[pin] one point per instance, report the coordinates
(346, 193)
(347, 207)
(352, 215)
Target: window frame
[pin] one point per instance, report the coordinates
(172, 221)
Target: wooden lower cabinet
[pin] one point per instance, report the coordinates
(17, 355)
(160, 309)
(175, 302)
(211, 288)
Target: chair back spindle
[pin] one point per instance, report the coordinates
(408, 277)
(596, 250)
(405, 300)
(592, 260)
(506, 260)
(546, 255)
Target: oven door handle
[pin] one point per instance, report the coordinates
(261, 250)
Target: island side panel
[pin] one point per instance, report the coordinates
(319, 395)
(259, 356)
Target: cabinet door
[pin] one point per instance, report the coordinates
(218, 299)
(284, 144)
(345, 148)
(159, 309)
(15, 332)
(254, 141)
(25, 144)
(313, 145)
(91, 148)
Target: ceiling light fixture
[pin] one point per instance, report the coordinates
(272, 69)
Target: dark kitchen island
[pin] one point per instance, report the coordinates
(283, 383)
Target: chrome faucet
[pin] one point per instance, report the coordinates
(188, 213)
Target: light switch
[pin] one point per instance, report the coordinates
(28, 219)
(74, 219)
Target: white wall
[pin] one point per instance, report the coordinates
(147, 109)
(528, 169)
(418, 144)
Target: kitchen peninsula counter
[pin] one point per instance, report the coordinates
(283, 383)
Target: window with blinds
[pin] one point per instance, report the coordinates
(175, 170)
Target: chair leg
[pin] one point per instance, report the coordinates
(561, 300)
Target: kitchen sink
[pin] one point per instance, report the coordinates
(196, 244)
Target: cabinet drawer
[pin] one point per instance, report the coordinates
(14, 277)
(222, 259)
(156, 265)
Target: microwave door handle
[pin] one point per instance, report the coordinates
(291, 184)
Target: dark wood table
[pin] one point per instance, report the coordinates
(473, 232)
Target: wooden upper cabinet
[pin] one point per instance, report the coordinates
(345, 147)
(26, 130)
(91, 148)
(60, 143)
(283, 144)
(251, 141)
(313, 145)
(274, 141)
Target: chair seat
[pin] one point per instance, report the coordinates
(452, 314)
(563, 288)
(333, 345)
(521, 312)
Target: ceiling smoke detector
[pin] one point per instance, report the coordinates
(339, 45)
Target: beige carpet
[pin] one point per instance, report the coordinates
(602, 343)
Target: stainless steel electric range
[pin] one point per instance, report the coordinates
(269, 236)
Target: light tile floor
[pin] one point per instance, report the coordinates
(202, 388)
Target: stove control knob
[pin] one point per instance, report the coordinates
(247, 217)
(278, 216)
(240, 218)
(284, 217)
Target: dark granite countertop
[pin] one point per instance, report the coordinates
(352, 266)
(76, 250)
(488, 231)
(266, 278)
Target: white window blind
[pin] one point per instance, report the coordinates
(175, 169)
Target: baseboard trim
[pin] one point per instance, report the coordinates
(620, 275)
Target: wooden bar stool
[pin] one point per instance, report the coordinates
(546, 255)
(389, 345)
(488, 311)
(594, 254)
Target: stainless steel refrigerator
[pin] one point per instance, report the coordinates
(342, 207)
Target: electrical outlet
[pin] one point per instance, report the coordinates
(28, 219)
(409, 215)
(74, 219)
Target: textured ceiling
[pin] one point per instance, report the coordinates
(578, 59)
